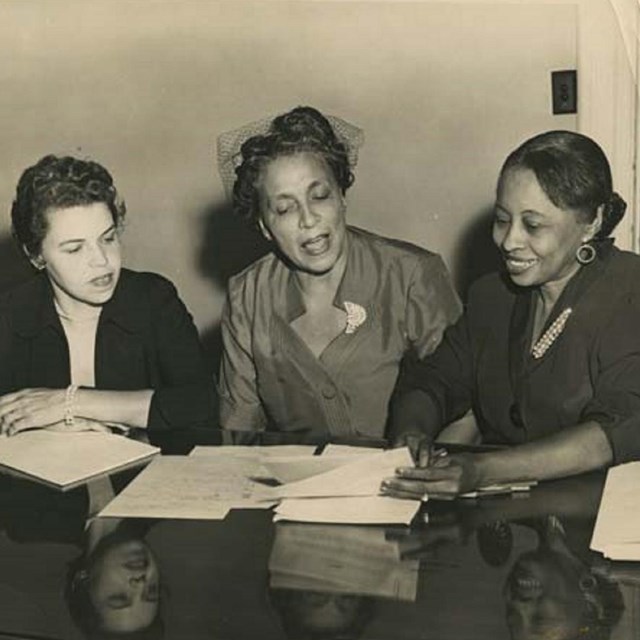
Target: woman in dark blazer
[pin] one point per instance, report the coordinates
(547, 353)
(86, 342)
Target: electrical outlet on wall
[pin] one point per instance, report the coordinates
(564, 91)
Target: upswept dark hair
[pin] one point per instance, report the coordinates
(301, 129)
(574, 173)
(56, 183)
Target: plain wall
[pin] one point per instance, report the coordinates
(442, 91)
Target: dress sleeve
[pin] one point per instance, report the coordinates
(6, 382)
(432, 305)
(240, 405)
(616, 400)
(445, 377)
(186, 395)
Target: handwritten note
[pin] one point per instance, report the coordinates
(259, 456)
(188, 487)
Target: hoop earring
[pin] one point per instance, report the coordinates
(585, 254)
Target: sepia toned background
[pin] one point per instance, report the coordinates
(443, 91)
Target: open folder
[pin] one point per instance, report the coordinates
(617, 530)
(67, 460)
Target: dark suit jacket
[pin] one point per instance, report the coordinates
(590, 372)
(146, 339)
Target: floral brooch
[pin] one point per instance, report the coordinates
(356, 315)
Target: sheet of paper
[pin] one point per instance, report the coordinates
(346, 559)
(362, 477)
(295, 468)
(258, 455)
(352, 510)
(279, 451)
(348, 450)
(617, 529)
(187, 487)
(66, 460)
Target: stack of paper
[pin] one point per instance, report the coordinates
(65, 460)
(617, 530)
(348, 510)
(347, 494)
(206, 485)
(344, 560)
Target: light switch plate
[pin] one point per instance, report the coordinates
(564, 91)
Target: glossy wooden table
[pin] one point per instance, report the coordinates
(499, 567)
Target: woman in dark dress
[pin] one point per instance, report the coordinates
(86, 342)
(547, 353)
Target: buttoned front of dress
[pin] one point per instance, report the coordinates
(589, 371)
(270, 379)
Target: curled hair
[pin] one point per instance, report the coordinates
(83, 611)
(57, 183)
(574, 173)
(299, 130)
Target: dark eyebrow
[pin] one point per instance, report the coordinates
(526, 211)
(74, 240)
(71, 241)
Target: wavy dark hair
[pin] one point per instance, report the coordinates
(574, 173)
(301, 129)
(57, 183)
(76, 592)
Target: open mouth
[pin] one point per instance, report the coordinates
(516, 266)
(317, 245)
(524, 585)
(102, 282)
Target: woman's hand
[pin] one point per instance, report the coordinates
(31, 409)
(445, 478)
(419, 445)
(79, 424)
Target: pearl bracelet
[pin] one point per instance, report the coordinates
(69, 401)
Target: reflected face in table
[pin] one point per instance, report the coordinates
(544, 598)
(318, 612)
(125, 587)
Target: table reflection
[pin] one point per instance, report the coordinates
(500, 568)
(324, 579)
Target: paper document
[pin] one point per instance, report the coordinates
(295, 468)
(360, 477)
(258, 455)
(66, 460)
(187, 487)
(343, 560)
(356, 510)
(617, 530)
(279, 451)
(348, 450)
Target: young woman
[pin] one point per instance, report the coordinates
(86, 342)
